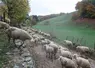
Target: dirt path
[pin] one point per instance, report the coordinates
(41, 60)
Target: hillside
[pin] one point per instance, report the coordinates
(63, 27)
(42, 18)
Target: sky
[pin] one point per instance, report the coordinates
(45, 7)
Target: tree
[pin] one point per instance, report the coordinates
(17, 10)
(3, 11)
(35, 17)
(86, 8)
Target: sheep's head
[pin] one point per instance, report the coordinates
(62, 59)
(75, 56)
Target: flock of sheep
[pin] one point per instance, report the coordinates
(62, 54)
(53, 51)
(67, 58)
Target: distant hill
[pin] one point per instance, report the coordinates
(41, 18)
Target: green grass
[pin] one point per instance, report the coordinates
(3, 49)
(62, 26)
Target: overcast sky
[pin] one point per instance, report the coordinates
(44, 7)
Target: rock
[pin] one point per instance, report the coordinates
(30, 66)
(27, 59)
(8, 53)
(16, 66)
(24, 64)
(26, 54)
(24, 45)
(30, 62)
(18, 42)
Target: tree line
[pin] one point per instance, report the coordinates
(15, 10)
(85, 9)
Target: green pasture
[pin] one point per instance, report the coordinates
(62, 27)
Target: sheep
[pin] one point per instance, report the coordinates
(81, 62)
(49, 51)
(16, 33)
(68, 43)
(52, 44)
(63, 48)
(45, 41)
(67, 63)
(64, 53)
(83, 49)
(29, 31)
(30, 43)
(42, 38)
(4, 25)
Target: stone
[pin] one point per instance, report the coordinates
(26, 54)
(8, 53)
(16, 66)
(18, 42)
(27, 59)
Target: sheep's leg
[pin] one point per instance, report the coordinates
(14, 42)
(52, 57)
(62, 65)
(46, 54)
(49, 55)
(9, 38)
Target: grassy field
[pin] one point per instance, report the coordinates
(4, 47)
(62, 26)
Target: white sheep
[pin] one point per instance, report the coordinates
(4, 25)
(55, 46)
(63, 48)
(82, 49)
(42, 38)
(16, 33)
(49, 51)
(64, 53)
(82, 62)
(68, 43)
(45, 41)
(67, 63)
(29, 31)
